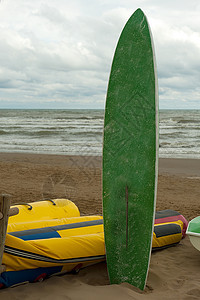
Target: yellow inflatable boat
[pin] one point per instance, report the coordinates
(50, 237)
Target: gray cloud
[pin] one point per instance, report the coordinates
(61, 54)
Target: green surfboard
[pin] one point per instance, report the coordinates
(130, 154)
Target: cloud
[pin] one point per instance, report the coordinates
(61, 53)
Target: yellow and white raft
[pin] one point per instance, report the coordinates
(50, 237)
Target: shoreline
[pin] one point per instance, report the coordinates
(176, 166)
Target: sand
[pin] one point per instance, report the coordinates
(174, 272)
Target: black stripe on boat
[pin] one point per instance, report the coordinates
(166, 213)
(38, 257)
(166, 229)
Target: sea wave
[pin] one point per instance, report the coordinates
(81, 131)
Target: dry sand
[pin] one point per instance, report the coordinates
(174, 272)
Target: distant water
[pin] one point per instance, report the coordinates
(73, 132)
(80, 132)
(180, 133)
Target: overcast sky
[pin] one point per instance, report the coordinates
(58, 54)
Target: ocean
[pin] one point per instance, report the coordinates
(80, 132)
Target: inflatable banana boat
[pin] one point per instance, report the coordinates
(50, 237)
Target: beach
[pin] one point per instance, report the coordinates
(174, 272)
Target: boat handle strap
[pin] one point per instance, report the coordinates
(30, 207)
(48, 199)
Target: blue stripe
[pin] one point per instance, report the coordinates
(51, 232)
(40, 236)
(16, 277)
